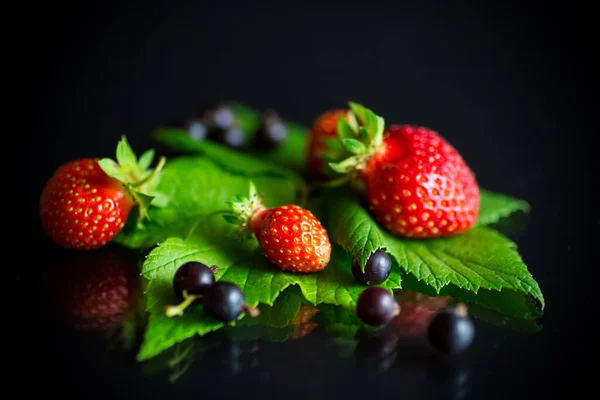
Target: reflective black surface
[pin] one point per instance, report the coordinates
(506, 84)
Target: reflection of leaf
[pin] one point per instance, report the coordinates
(477, 260)
(508, 302)
(197, 187)
(517, 324)
(338, 322)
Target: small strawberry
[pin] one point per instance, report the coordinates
(417, 185)
(96, 289)
(86, 202)
(322, 146)
(290, 236)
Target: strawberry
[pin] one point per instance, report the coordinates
(290, 237)
(86, 202)
(95, 289)
(321, 147)
(416, 184)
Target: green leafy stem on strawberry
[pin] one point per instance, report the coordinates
(361, 135)
(136, 175)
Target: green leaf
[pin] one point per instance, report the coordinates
(495, 206)
(354, 146)
(125, 155)
(146, 159)
(344, 130)
(359, 111)
(112, 169)
(478, 259)
(242, 263)
(345, 166)
(196, 187)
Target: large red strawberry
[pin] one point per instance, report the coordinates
(291, 237)
(322, 146)
(86, 202)
(417, 184)
(96, 289)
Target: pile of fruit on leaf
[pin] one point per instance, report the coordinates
(251, 208)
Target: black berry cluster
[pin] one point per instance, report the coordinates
(194, 283)
(218, 123)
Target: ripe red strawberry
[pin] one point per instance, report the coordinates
(95, 289)
(417, 185)
(290, 236)
(86, 202)
(324, 129)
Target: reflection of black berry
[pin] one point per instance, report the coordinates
(193, 277)
(377, 269)
(451, 331)
(376, 306)
(224, 301)
(271, 132)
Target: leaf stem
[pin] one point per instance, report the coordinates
(161, 163)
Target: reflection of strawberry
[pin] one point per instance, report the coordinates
(417, 310)
(95, 289)
(303, 321)
(324, 128)
(417, 184)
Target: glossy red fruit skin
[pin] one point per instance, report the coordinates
(419, 186)
(292, 238)
(82, 207)
(324, 127)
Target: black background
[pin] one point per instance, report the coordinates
(508, 84)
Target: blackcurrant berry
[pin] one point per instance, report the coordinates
(196, 129)
(218, 116)
(224, 301)
(193, 277)
(271, 131)
(232, 137)
(376, 306)
(377, 269)
(451, 330)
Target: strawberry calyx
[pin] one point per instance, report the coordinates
(136, 175)
(361, 135)
(246, 212)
